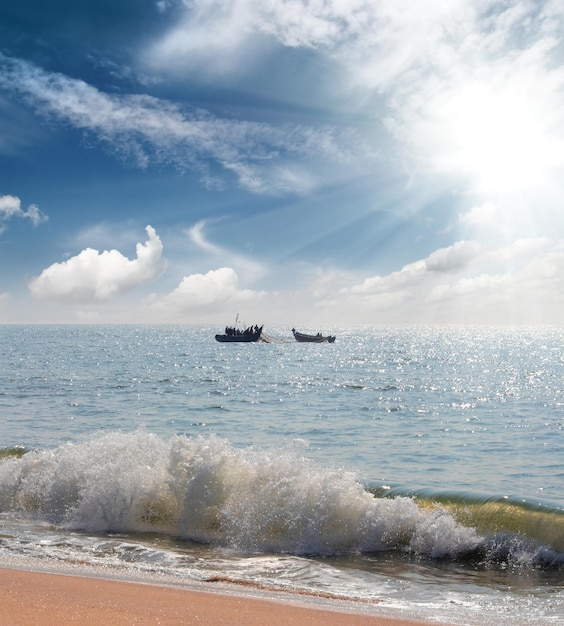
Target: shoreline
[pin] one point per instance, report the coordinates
(45, 598)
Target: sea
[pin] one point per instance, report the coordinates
(416, 471)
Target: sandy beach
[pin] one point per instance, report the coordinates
(41, 598)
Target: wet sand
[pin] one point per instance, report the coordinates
(40, 599)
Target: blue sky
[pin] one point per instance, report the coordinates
(302, 163)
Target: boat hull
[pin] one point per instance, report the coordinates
(237, 339)
(304, 338)
(240, 337)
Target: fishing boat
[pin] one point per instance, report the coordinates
(319, 338)
(236, 335)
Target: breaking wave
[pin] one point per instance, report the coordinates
(258, 500)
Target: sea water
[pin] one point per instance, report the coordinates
(417, 469)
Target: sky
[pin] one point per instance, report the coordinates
(301, 163)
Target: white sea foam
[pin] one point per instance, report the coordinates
(206, 490)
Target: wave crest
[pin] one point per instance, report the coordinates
(251, 500)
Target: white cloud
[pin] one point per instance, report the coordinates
(246, 267)
(10, 206)
(520, 250)
(93, 276)
(204, 295)
(485, 215)
(453, 258)
(386, 284)
(162, 6)
(196, 235)
(263, 157)
(466, 283)
(413, 276)
(364, 34)
(208, 30)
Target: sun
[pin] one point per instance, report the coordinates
(499, 138)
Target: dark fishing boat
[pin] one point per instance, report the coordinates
(236, 335)
(319, 338)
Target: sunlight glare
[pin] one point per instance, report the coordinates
(500, 139)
